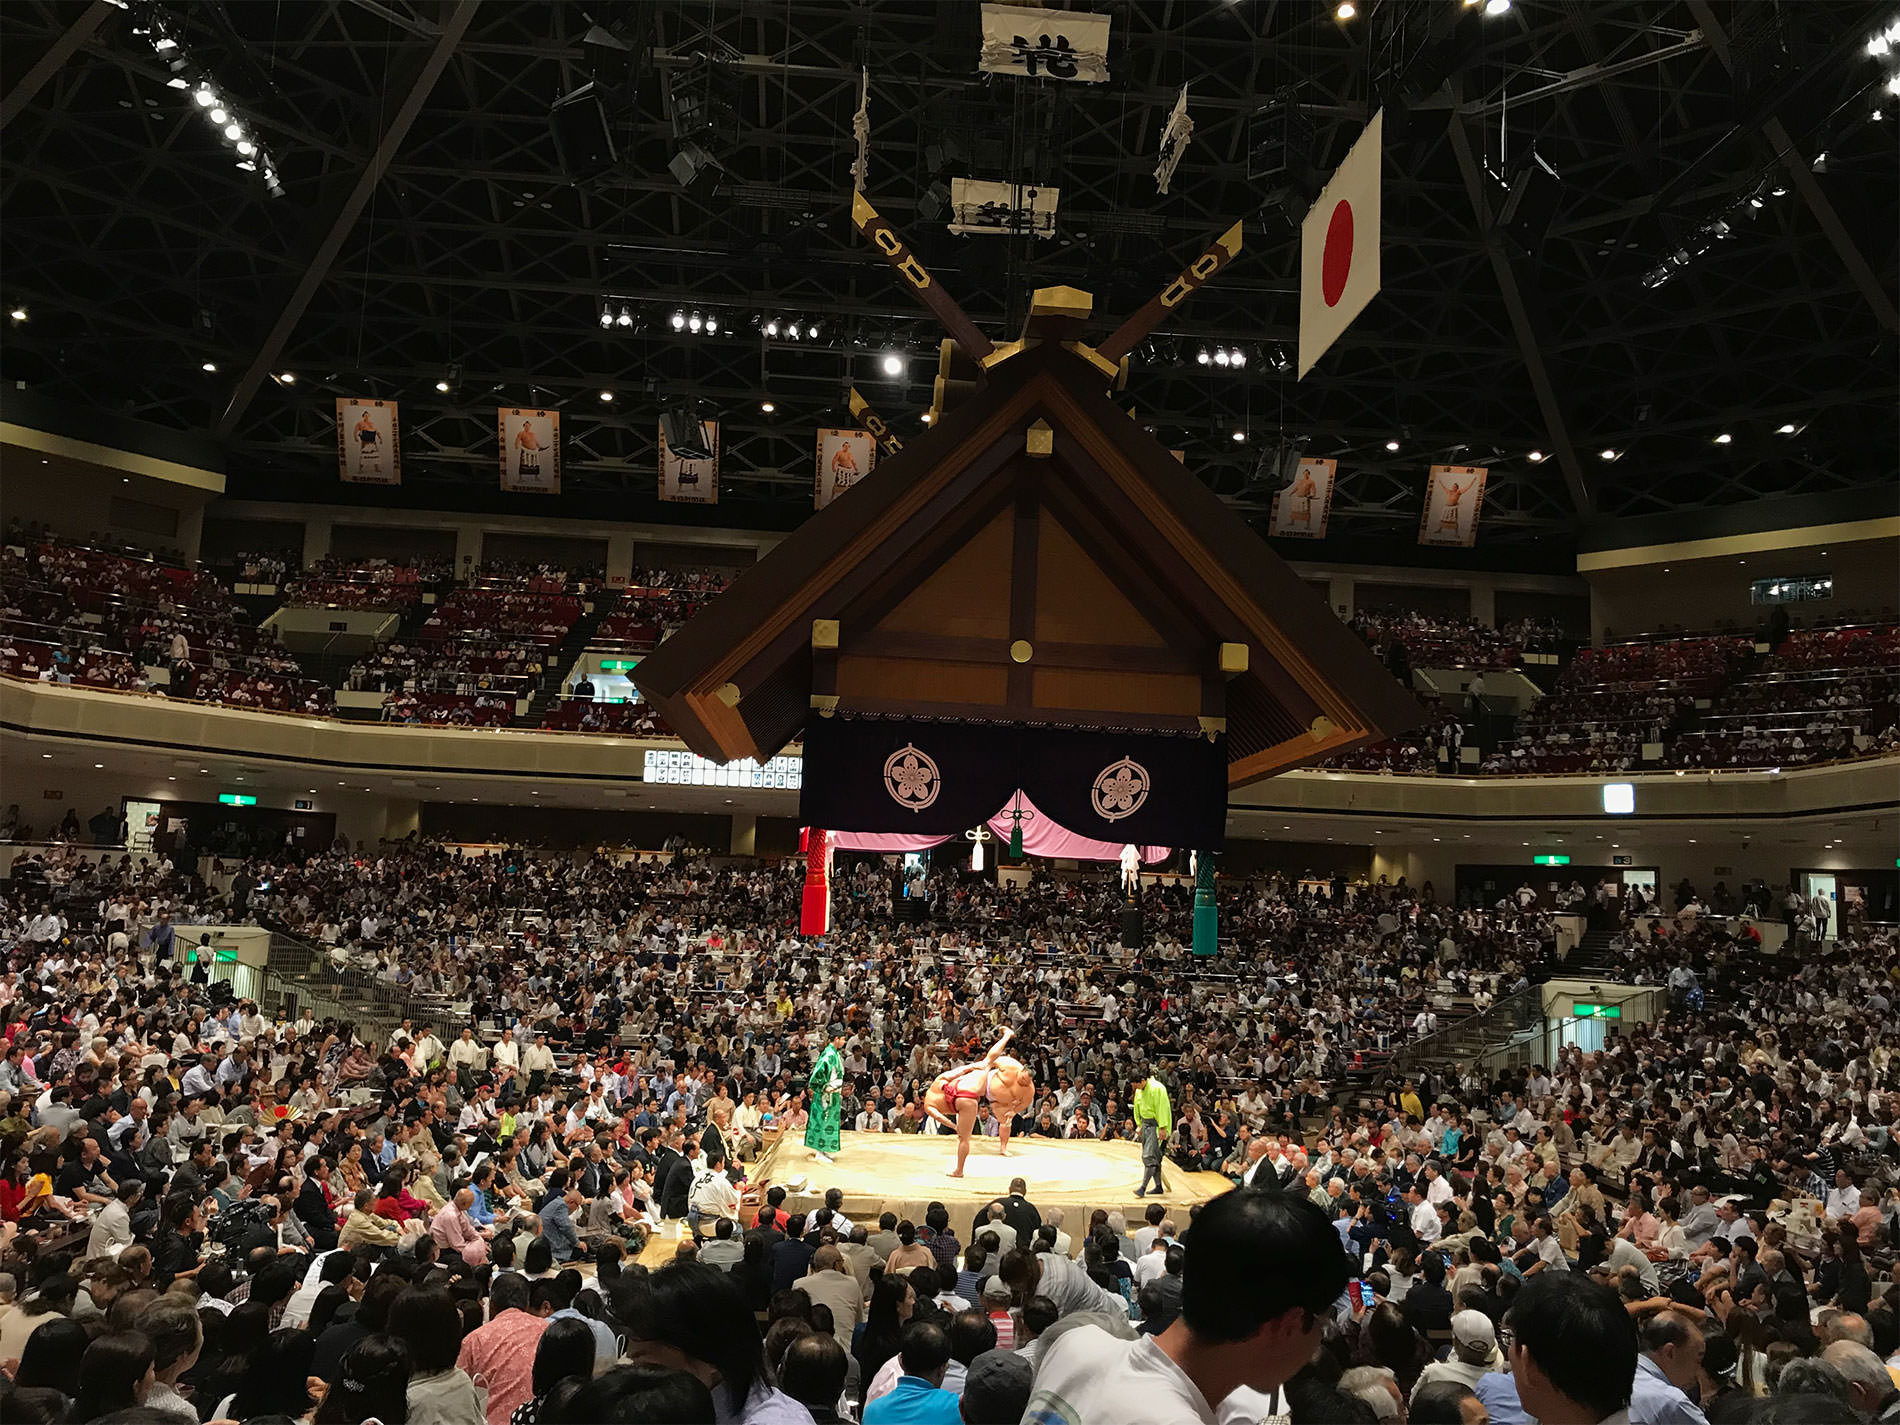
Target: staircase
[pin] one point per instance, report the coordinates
(1593, 955)
(561, 661)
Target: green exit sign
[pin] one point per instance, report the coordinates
(1550, 860)
(619, 665)
(1597, 1011)
(236, 799)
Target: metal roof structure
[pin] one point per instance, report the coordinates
(1704, 238)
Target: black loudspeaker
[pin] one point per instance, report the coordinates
(581, 135)
(1532, 203)
(685, 435)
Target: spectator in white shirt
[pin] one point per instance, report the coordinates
(1843, 1199)
(1425, 1223)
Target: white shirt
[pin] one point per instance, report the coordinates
(1425, 1223)
(1088, 1377)
(1843, 1201)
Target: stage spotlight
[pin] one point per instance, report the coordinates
(625, 318)
(812, 331)
(606, 315)
(694, 323)
(893, 365)
(712, 326)
(1536, 457)
(1203, 358)
(771, 327)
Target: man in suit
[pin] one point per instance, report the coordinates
(1020, 1213)
(1427, 1305)
(677, 1184)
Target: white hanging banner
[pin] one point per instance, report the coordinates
(1453, 496)
(1339, 247)
(530, 450)
(1044, 44)
(1301, 509)
(691, 482)
(978, 206)
(1176, 134)
(368, 442)
(844, 458)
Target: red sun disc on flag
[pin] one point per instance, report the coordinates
(1336, 262)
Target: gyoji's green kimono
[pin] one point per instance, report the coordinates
(827, 1078)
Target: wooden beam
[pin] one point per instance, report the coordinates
(1033, 717)
(917, 277)
(1217, 255)
(950, 648)
(1025, 537)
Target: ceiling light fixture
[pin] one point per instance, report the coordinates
(679, 321)
(1536, 457)
(1346, 10)
(1240, 437)
(625, 319)
(768, 407)
(893, 364)
(1787, 428)
(606, 316)
(695, 323)
(1203, 358)
(18, 314)
(606, 395)
(1606, 454)
(289, 378)
(210, 366)
(712, 326)
(205, 97)
(1391, 445)
(442, 386)
(812, 331)
(771, 327)
(1724, 438)
(1496, 7)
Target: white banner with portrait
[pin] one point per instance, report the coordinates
(691, 482)
(844, 458)
(1044, 44)
(1453, 496)
(368, 442)
(1301, 508)
(530, 450)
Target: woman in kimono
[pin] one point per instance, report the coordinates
(826, 1085)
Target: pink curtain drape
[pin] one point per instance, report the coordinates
(1041, 837)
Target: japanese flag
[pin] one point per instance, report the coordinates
(1339, 247)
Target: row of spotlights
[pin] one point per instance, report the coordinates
(1221, 357)
(790, 328)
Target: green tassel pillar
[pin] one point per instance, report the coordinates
(1206, 914)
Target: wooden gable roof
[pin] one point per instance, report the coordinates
(1036, 557)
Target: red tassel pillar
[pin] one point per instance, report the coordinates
(814, 912)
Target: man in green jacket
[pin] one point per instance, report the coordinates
(825, 1086)
(1155, 1117)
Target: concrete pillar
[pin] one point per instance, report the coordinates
(468, 549)
(316, 539)
(191, 530)
(1484, 603)
(745, 834)
(1339, 595)
(619, 559)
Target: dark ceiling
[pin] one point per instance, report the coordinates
(142, 253)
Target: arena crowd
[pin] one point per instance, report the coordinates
(213, 1214)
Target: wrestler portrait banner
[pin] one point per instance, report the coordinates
(691, 482)
(530, 450)
(368, 442)
(1303, 506)
(1453, 495)
(940, 778)
(844, 458)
